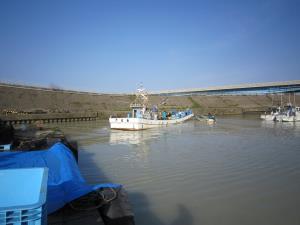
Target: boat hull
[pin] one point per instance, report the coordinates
(268, 117)
(288, 118)
(295, 118)
(142, 124)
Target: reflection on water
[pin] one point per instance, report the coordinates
(138, 141)
(133, 137)
(281, 125)
(240, 170)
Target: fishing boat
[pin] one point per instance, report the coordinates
(288, 113)
(141, 117)
(292, 114)
(274, 115)
(206, 118)
(297, 108)
(283, 113)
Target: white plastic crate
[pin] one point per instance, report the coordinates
(6, 147)
(23, 195)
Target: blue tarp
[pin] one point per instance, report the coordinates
(65, 182)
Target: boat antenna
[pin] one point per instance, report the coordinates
(294, 100)
(272, 99)
(164, 101)
(141, 96)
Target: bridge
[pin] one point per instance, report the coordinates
(244, 89)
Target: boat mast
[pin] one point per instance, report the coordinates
(140, 102)
(272, 100)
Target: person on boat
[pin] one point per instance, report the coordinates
(164, 115)
(169, 115)
(293, 111)
(154, 108)
(210, 116)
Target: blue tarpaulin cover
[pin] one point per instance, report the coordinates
(65, 182)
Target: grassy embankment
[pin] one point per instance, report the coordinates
(104, 105)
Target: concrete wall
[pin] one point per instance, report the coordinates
(19, 99)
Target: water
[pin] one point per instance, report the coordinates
(238, 171)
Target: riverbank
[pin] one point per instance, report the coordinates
(46, 103)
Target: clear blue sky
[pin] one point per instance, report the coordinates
(112, 46)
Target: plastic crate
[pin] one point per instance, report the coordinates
(23, 195)
(6, 147)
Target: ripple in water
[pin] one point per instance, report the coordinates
(238, 171)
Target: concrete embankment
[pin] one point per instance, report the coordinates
(25, 102)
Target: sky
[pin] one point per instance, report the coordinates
(114, 45)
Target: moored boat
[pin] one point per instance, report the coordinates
(142, 118)
(274, 115)
(288, 113)
(292, 114)
(297, 113)
(206, 118)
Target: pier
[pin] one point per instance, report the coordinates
(47, 118)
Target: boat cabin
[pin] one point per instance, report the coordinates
(138, 110)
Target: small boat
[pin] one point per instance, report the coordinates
(275, 114)
(288, 113)
(142, 118)
(283, 113)
(292, 114)
(206, 118)
(297, 108)
(211, 118)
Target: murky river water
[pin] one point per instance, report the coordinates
(238, 171)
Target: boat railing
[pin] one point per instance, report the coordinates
(136, 105)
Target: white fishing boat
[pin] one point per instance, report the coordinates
(288, 113)
(274, 115)
(288, 118)
(297, 113)
(268, 117)
(142, 118)
(209, 118)
(292, 114)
